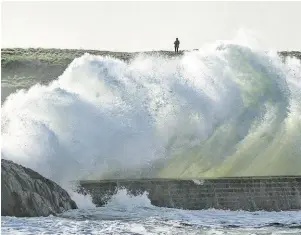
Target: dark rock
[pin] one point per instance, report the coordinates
(25, 193)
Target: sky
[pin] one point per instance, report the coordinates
(144, 26)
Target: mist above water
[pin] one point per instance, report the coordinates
(228, 109)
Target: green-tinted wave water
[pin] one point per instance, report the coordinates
(225, 110)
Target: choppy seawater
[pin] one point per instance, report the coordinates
(135, 215)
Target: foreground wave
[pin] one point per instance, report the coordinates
(126, 214)
(227, 109)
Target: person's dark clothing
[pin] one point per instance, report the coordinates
(177, 44)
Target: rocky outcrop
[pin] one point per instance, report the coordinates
(25, 193)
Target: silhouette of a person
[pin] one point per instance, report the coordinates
(177, 44)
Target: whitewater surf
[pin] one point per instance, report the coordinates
(227, 109)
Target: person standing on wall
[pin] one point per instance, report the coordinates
(177, 44)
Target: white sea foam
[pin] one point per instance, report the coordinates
(237, 105)
(126, 214)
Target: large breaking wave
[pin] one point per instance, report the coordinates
(227, 109)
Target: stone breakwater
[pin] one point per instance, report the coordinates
(241, 193)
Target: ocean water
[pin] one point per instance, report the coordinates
(229, 109)
(126, 214)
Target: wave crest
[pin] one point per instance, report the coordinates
(221, 111)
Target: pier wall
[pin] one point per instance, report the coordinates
(235, 193)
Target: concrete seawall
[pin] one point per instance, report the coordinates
(241, 193)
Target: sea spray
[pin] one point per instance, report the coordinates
(227, 109)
